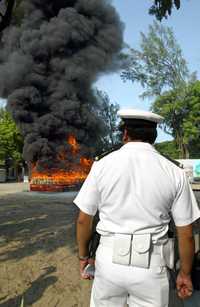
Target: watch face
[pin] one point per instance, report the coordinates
(90, 269)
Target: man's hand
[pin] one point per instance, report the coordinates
(184, 285)
(83, 264)
(84, 233)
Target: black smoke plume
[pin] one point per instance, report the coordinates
(47, 67)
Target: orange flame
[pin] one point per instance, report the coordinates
(73, 142)
(75, 175)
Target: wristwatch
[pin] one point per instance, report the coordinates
(83, 257)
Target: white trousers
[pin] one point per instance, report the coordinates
(116, 285)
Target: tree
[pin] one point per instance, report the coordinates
(195, 149)
(180, 109)
(163, 8)
(11, 143)
(168, 148)
(6, 17)
(108, 114)
(160, 9)
(161, 69)
(10, 12)
(159, 64)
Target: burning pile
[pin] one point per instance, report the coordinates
(59, 180)
(48, 65)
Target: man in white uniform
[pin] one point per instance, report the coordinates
(136, 191)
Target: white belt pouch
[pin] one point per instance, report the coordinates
(140, 253)
(122, 249)
(132, 250)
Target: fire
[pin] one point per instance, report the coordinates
(73, 142)
(61, 178)
(85, 162)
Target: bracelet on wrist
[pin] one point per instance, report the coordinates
(83, 258)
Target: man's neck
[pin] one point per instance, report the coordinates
(133, 141)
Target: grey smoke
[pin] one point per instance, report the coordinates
(47, 67)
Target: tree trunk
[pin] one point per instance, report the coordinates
(184, 151)
(183, 148)
(186, 154)
(179, 143)
(6, 18)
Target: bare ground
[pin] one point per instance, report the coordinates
(38, 254)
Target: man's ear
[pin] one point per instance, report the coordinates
(125, 136)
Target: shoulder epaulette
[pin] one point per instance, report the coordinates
(173, 161)
(104, 154)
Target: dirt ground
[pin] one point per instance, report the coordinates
(38, 254)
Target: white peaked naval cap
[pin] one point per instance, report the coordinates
(140, 114)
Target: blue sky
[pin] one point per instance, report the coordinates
(185, 24)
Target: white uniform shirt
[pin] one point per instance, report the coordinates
(135, 189)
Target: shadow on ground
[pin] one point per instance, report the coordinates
(35, 224)
(35, 291)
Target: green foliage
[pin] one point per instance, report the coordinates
(108, 114)
(195, 149)
(181, 111)
(159, 64)
(11, 143)
(162, 71)
(163, 8)
(168, 148)
(11, 12)
(6, 13)
(18, 13)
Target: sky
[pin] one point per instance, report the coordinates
(185, 24)
(134, 14)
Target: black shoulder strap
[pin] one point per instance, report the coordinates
(172, 160)
(104, 154)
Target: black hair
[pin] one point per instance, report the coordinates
(139, 129)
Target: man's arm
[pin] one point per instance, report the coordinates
(186, 252)
(84, 233)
